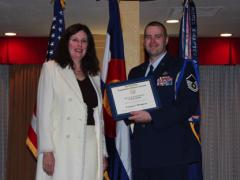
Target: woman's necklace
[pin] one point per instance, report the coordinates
(79, 74)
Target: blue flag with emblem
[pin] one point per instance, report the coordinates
(189, 52)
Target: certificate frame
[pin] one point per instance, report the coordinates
(138, 84)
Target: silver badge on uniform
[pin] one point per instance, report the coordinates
(165, 73)
(192, 83)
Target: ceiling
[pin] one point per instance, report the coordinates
(33, 17)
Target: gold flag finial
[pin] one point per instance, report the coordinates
(62, 3)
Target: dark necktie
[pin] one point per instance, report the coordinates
(150, 73)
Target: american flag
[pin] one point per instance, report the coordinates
(57, 29)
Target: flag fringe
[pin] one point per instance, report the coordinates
(105, 175)
(32, 148)
(194, 132)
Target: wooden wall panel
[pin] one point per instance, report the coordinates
(22, 97)
(100, 46)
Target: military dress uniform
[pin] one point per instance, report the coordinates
(167, 141)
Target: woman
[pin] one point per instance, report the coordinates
(71, 140)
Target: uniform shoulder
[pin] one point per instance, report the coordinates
(175, 61)
(140, 66)
(137, 71)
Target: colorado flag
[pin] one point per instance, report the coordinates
(117, 134)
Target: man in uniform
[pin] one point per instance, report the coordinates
(162, 143)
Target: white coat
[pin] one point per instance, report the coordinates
(62, 118)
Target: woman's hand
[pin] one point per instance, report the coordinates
(48, 163)
(105, 163)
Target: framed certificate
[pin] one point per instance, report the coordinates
(132, 95)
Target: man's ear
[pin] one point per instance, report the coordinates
(167, 40)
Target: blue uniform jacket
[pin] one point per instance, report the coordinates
(168, 139)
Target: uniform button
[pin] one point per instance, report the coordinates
(143, 125)
(69, 99)
(68, 136)
(79, 119)
(68, 118)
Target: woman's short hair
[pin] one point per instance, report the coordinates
(89, 62)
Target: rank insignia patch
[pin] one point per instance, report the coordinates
(192, 83)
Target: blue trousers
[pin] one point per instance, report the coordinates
(177, 172)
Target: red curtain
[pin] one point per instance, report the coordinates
(235, 51)
(212, 51)
(23, 50)
(219, 51)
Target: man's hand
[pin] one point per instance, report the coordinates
(140, 117)
(48, 163)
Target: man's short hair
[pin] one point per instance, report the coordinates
(156, 23)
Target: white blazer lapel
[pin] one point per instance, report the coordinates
(96, 84)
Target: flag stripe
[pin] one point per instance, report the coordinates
(32, 136)
(116, 71)
(32, 147)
